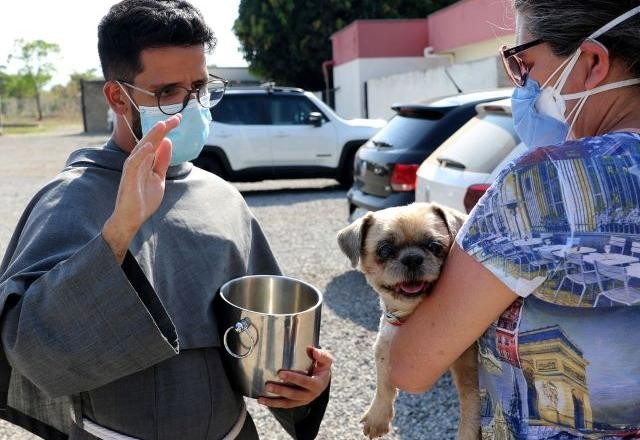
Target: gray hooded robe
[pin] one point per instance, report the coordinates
(134, 347)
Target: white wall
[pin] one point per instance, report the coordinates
(349, 79)
(431, 83)
(483, 49)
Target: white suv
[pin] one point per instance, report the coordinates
(281, 133)
(460, 170)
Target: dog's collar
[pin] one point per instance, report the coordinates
(393, 319)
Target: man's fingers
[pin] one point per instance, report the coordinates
(138, 155)
(161, 129)
(162, 158)
(147, 163)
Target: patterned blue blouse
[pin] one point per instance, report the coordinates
(561, 228)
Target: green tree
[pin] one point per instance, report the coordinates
(16, 86)
(287, 40)
(72, 88)
(66, 98)
(36, 69)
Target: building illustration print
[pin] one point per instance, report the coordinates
(562, 230)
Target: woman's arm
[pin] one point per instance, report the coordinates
(465, 301)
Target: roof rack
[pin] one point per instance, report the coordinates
(272, 87)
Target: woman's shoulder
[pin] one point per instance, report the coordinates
(609, 144)
(592, 149)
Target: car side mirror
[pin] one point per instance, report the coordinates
(315, 119)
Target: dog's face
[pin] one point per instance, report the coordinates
(401, 250)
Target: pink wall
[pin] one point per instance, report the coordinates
(469, 22)
(463, 23)
(380, 39)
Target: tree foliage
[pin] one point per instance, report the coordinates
(36, 69)
(287, 40)
(15, 86)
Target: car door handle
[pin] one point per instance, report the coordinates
(223, 134)
(281, 134)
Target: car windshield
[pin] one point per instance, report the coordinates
(405, 132)
(480, 145)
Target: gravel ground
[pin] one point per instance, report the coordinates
(301, 219)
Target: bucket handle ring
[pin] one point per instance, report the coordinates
(240, 327)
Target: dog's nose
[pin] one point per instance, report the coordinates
(412, 261)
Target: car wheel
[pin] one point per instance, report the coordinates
(210, 164)
(345, 175)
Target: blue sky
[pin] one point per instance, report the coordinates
(73, 25)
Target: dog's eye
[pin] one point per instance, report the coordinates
(435, 248)
(385, 251)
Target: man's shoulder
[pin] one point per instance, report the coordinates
(215, 183)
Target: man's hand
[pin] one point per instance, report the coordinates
(301, 389)
(141, 187)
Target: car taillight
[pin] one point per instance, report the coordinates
(403, 177)
(474, 192)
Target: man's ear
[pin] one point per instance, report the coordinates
(116, 99)
(452, 218)
(351, 239)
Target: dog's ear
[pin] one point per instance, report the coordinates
(351, 239)
(452, 218)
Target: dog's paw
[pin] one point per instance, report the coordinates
(377, 421)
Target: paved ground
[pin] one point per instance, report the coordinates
(301, 219)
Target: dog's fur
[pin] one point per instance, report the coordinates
(401, 251)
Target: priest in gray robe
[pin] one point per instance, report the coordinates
(107, 326)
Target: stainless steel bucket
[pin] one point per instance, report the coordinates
(266, 323)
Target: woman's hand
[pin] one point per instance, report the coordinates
(300, 389)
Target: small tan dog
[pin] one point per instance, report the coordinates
(401, 251)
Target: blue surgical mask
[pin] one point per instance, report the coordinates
(535, 129)
(187, 140)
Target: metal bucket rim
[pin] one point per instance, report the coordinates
(235, 280)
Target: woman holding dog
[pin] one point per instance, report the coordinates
(555, 312)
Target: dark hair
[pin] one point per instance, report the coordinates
(564, 24)
(134, 25)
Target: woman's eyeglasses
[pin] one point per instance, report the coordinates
(516, 69)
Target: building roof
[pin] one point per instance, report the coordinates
(546, 334)
(380, 39)
(461, 24)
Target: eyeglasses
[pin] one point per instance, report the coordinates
(172, 99)
(516, 70)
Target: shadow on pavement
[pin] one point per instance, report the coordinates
(432, 415)
(289, 190)
(291, 196)
(350, 297)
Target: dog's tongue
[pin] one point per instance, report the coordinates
(411, 288)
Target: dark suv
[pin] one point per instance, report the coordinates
(385, 167)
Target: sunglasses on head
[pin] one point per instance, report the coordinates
(515, 68)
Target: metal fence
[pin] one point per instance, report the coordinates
(12, 109)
